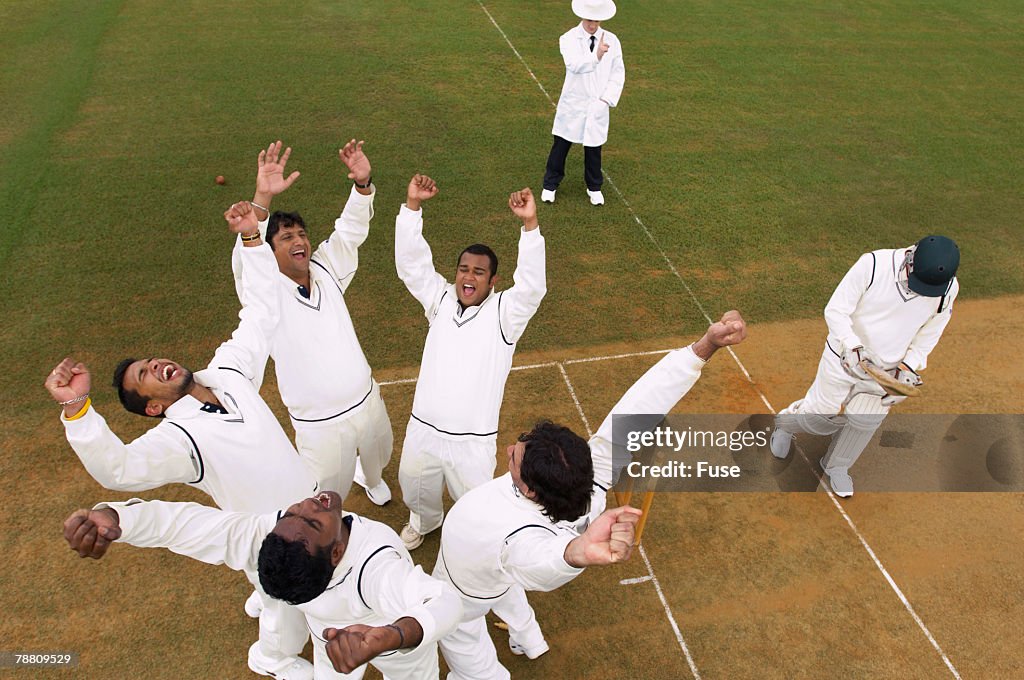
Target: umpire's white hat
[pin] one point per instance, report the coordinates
(595, 10)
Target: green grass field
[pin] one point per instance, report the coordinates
(764, 145)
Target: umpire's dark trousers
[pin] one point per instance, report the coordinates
(555, 171)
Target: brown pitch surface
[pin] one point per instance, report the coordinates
(761, 585)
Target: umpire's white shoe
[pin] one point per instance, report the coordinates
(780, 443)
(254, 605)
(840, 481)
(596, 197)
(410, 537)
(547, 195)
(530, 652)
(297, 669)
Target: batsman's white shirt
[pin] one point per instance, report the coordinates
(872, 307)
(376, 582)
(322, 372)
(242, 459)
(468, 353)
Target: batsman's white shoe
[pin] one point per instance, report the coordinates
(780, 443)
(410, 537)
(254, 605)
(596, 197)
(840, 481)
(530, 652)
(547, 195)
(295, 668)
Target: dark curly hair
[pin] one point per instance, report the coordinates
(558, 469)
(289, 572)
(132, 401)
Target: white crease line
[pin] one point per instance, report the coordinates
(527, 367)
(516, 52)
(634, 581)
(402, 381)
(643, 553)
(746, 373)
(617, 356)
(572, 393)
(668, 612)
(548, 364)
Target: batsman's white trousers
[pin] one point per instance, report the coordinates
(429, 462)
(832, 389)
(329, 447)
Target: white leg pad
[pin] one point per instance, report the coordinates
(864, 414)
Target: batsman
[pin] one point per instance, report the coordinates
(884, 319)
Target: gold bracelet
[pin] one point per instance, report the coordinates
(248, 238)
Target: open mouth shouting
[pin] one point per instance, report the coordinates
(299, 253)
(168, 372)
(328, 500)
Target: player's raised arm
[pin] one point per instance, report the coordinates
(270, 179)
(358, 165)
(520, 302)
(413, 258)
(69, 383)
(340, 251)
(523, 206)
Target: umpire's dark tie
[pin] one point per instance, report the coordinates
(593, 39)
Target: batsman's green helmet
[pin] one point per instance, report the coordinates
(935, 263)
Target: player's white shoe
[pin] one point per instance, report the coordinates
(378, 495)
(596, 197)
(297, 669)
(840, 481)
(547, 195)
(410, 537)
(780, 443)
(530, 652)
(254, 605)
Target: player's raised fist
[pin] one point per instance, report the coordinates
(90, 532)
(730, 330)
(524, 206)
(421, 188)
(68, 380)
(241, 218)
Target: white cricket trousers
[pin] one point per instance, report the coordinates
(283, 629)
(429, 462)
(468, 650)
(832, 389)
(329, 447)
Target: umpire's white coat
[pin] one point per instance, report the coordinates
(376, 582)
(581, 116)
